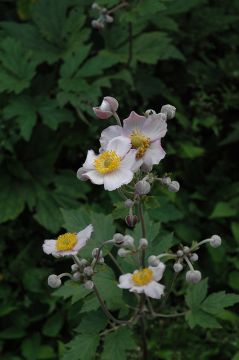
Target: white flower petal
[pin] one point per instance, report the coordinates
(81, 174)
(49, 246)
(154, 290)
(121, 145)
(83, 236)
(129, 161)
(110, 133)
(125, 281)
(154, 154)
(117, 178)
(89, 162)
(158, 271)
(65, 253)
(137, 289)
(133, 122)
(95, 177)
(155, 127)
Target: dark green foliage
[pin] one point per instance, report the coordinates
(53, 68)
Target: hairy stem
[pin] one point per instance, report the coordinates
(116, 116)
(115, 262)
(143, 229)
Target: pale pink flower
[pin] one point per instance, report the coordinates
(107, 108)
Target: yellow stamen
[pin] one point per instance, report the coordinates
(140, 142)
(142, 277)
(66, 241)
(107, 162)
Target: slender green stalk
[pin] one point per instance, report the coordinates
(143, 229)
(116, 116)
(115, 262)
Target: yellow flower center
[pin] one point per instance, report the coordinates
(140, 142)
(66, 241)
(107, 162)
(142, 277)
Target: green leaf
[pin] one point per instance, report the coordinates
(92, 323)
(117, 344)
(162, 244)
(235, 230)
(190, 151)
(222, 210)
(45, 352)
(217, 302)
(82, 347)
(233, 280)
(12, 332)
(73, 290)
(196, 294)
(203, 319)
(53, 325)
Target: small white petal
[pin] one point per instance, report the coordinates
(110, 133)
(154, 290)
(117, 178)
(158, 271)
(137, 289)
(133, 122)
(83, 236)
(155, 127)
(64, 253)
(49, 246)
(154, 154)
(81, 174)
(90, 158)
(121, 145)
(129, 161)
(95, 177)
(125, 281)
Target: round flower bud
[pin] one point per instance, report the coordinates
(143, 243)
(95, 253)
(174, 186)
(118, 239)
(96, 24)
(186, 250)
(89, 284)
(54, 281)
(128, 241)
(128, 203)
(95, 6)
(74, 267)
(149, 112)
(153, 260)
(166, 180)
(83, 262)
(180, 253)
(131, 220)
(101, 260)
(169, 111)
(194, 257)
(88, 271)
(76, 276)
(108, 19)
(193, 276)
(177, 267)
(122, 252)
(215, 241)
(142, 187)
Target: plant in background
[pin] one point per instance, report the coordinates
(129, 152)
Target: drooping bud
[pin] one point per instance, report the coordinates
(107, 108)
(88, 284)
(122, 252)
(88, 271)
(180, 253)
(194, 257)
(177, 267)
(142, 187)
(74, 267)
(169, 111)
(131, 220)
(174, 186)
(153, 260)
(77, 276)
(143, 243)
(96, 252)
(193, 276)
(54, 281)
(215, 241)
(166, 180)
(96, 24)
(128, 241)
(128, 203)
(118, 239)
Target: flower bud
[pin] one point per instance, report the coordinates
(108, 19)
(153, 260)
(88, 271)
(74, 267)
(143, 243)
(177, 267)
(166, 180)
(54, 281)
(174, 186)
(95, 253)
(180, 253)
(128, 203)
(193, 276)
(149, 112)
(128, 241)
(122, 252)
(101, 260)
(142, 187)
(186, 250)
(107, 108)
(131, 220)
(95, 6)
(215, 241)
(118, 239)
(194, 257)
(83, 262)
(169, 111)
(76, 276)
(96, 24)
(88, 284)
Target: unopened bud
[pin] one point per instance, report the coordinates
(128, 241)
(215, 241)
(149, 112)
(118, 239)
(142, 187)
(54, 281)
(108, 19)
(166, 180)
(131, 220)
(83, 262)
(122, 252)
(143, 243)
(180, 253)
(89, 284)
(194, 257)
(95, 6)
(88, 271)
(153, 260)
(169, 111)
(186, 250)
(174, 186)
(101, 260)
(96, 252)
(128, 203)
(76, 276)
(96, 24)
(177, 267)
(193, 276)
(74, 267)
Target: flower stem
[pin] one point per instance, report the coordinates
(115, 262)
(143, 229)
(116, 116)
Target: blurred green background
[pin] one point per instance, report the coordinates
(53, 68)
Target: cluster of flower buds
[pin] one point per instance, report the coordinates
(103, 17)
(172, 185)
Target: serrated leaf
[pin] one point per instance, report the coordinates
(73, 290)
(203, 319)
(82, 347)
(117, 343)
(216, 302)
(53, 325)
(196, 294)
(223, 209)
(92, 323)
